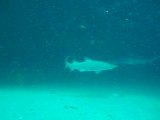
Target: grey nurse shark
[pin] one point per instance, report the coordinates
(137, 61)
(89, 65)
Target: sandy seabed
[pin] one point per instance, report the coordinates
(60, 103)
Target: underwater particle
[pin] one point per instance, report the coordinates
(106, 11)
(92, 42)
(109, 115)
(19, 78)
(70, 107)
(80, 114)
(31, 109)
(20, 118)
(1, 47)
(126, 19)
(82, 26)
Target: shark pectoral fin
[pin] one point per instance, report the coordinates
(98, 72)
(72, 69)
(87, 59)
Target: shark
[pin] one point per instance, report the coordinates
(137, 61)
(89, 65)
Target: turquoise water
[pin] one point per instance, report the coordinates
(37, 36)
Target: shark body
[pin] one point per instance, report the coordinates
(89, 65)
(137, 61)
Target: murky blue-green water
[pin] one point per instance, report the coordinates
(36, 36)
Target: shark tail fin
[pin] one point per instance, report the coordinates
(67, 64)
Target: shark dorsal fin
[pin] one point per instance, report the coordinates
(87, 59)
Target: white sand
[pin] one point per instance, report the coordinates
(76, 104)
